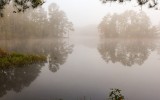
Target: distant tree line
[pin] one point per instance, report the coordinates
(37, 23)
(129, 24)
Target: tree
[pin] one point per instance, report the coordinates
(150, 3)
(20, 5)
(35, 23)
(129, 24)
(58, 22)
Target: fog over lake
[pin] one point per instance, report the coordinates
(92, 51)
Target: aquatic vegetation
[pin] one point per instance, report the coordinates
(8, 59)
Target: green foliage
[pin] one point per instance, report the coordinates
(115, 94)
(20, 5)
(56, 50)
(16, 59)
(150, 3)
(129, 24)
(21, 76)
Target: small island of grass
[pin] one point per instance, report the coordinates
(8, 59)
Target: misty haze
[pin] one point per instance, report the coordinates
(79, 50)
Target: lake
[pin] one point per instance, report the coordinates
(83, 69)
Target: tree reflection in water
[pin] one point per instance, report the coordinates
(127, 52)
(58, 54)
(57, 50)
(17, 78)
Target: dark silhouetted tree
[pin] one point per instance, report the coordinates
(20, 5)
(15, 79)
(116, 94)
(150, 3)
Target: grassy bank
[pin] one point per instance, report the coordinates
(8, 59)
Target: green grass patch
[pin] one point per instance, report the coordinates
(8, 59)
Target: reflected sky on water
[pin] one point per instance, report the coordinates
(83, 68)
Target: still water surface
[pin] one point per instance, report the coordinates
(84, 69)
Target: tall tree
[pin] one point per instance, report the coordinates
(35, 23)
(59, 24)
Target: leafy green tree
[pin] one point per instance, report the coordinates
(150, 3)
(20, 5)
(116, 94)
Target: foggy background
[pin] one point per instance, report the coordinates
(88, 12)
(85, 61)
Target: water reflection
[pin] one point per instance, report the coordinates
(17, 78)
(127, 52)
(58, 55)
(57, 50)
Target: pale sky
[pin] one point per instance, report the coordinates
(87, 12)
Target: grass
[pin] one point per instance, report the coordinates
(8, 59)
